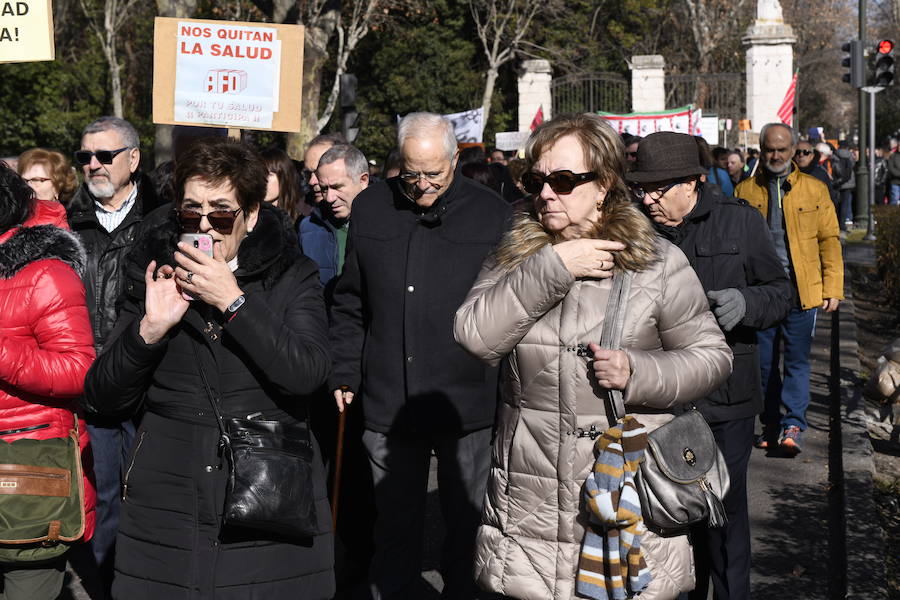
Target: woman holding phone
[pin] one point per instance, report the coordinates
(251, 321)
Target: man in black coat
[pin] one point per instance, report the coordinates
(106, 213)
(416, 244)
(728, 244)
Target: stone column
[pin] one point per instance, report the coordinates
(534, 91)
(648, 83)
(770, 63)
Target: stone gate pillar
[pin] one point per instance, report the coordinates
(534, 91)
(770, 63)
(648, 83)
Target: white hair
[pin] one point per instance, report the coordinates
(424, 124)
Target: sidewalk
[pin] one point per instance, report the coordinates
(812, 518)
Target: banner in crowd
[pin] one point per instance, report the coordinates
(510, 141)
(227, 74)
(685, 119)
(26, 31)
(468, 125)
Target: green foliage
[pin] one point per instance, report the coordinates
(887, 250)
(48, 103)
(424, 62)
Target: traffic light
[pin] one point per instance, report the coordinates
(855, 76)
(883, 67)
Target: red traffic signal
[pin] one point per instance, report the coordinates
(885, 46)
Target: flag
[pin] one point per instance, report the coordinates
(538, 118)
(786, 112)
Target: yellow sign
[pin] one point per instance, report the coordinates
(227, 74)
(26, 31)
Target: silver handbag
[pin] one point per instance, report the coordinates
(683, 476)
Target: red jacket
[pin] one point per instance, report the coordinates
(46, 345)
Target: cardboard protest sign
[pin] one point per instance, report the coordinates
(227, 74)
(26, 31)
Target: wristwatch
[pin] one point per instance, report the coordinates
(234, 306)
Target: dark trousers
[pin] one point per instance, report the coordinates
(722, 554)
(42, 581)
(400, 466)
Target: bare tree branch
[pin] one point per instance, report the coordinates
(501, 26)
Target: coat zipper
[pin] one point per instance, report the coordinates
(24, 429)
(131, 466)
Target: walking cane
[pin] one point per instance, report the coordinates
(338, 463)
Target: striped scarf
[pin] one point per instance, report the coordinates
(615, 523)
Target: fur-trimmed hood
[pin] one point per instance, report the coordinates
(265, 254)
(621, 222)
(42, 242)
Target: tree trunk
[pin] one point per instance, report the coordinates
(315, 55)
(115, 82)
(489, 83)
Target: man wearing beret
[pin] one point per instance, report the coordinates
(728, 245)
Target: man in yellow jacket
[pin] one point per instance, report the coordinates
(805, 232)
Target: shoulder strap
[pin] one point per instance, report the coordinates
(613, 324)
(209, 394)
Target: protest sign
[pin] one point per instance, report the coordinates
(26, 31)
(510, 141)
(227, 74)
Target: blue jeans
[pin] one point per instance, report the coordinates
(895, 193)
(791, 391)
(110, 442)
(846, 213)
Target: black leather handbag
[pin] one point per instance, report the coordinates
(269, 465)
(683, 476)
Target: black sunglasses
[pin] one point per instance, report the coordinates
(220, 220)
(803, 152)
(83, 157)
(561, 182)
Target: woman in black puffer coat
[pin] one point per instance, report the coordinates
(261, 355)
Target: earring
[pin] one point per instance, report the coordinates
(249, 230)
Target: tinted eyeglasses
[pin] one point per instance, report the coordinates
(803, 152)
(655, 194)
(561, 182)
(83, 157)
(220, 220)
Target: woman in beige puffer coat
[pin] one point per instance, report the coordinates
(539, 297)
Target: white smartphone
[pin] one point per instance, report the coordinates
(201, 241)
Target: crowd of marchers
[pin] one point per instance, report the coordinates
(443, 305)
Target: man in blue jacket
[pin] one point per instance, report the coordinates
(342, 173)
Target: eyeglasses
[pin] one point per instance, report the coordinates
(38, 180)
(220, 220)
(413, 177)
(640, 193)
(83, 157)
(561, 182)
(803, 152)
